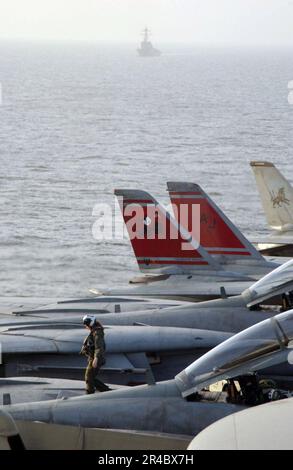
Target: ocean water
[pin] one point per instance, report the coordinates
(78, 120)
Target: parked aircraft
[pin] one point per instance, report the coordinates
(229, 314)
(135, 354)
(178, 406)
(180, 267)
(43, 347)
(159, 342)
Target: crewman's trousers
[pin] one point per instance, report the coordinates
(91, 380)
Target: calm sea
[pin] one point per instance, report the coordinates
(78, 120)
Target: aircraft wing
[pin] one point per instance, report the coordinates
(115, 363)
(119, 339)
(191, 288)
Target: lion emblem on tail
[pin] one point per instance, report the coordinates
(280, 198)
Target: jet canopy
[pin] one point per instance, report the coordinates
(259, 346)
(277, 282)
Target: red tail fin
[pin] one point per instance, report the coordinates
(218, 235)
(157, 240)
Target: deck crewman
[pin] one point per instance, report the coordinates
(94, 349)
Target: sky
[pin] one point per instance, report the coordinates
(203, 22)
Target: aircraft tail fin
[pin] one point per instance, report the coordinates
(276, 195)
(218, 235)
(158, 242)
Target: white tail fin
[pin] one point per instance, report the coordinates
(158, 242)
(218, 235)
(276, 195)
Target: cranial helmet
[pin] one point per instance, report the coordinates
(89, 320)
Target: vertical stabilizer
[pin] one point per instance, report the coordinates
(218, 235)
(276, 195)
(158, 242)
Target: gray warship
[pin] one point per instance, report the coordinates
(146, 48)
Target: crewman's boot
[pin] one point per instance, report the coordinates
(100, 386)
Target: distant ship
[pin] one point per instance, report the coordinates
(146, 47)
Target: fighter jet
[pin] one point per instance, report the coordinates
(46, 343)
(181, 405)
(181, 267)
(277, 200)
(231, 314)
(227, 314)
(136, 354)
